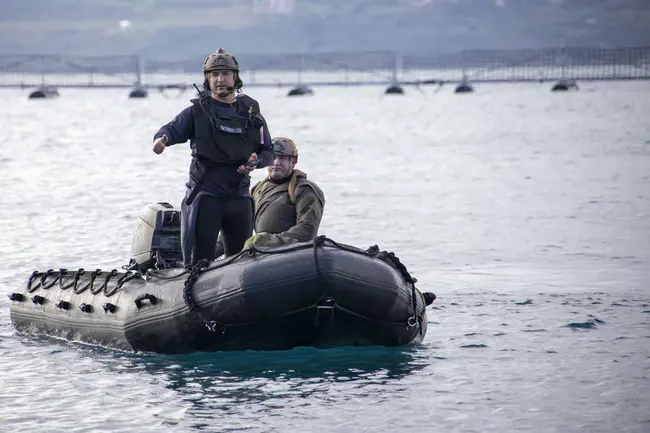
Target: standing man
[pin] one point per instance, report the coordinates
(229, 139)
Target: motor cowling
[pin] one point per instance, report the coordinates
(157, 238)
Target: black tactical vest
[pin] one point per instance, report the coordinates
(226, 140)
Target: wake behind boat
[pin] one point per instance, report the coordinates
(319, 293)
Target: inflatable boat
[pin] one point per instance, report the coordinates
(319, 293)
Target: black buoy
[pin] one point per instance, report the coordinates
(44, 92)
(300, 90)
(464, 88)
(394, 89)
(564, 85)
(138, 92)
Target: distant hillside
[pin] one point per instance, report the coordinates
(174, 29)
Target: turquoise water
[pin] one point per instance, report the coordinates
(526, 212)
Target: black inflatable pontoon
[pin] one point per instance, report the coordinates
(318, 293)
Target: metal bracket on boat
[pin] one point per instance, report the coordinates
(37, 299)
(324, 304)
(212, 326)
(86, 308)
(412, 321)
(109, 308)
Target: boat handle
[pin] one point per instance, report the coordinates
(146, 296)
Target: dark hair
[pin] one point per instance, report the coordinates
(238, 83)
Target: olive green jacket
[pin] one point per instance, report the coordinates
(291, 210)
(287, 212)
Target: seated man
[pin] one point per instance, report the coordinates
(288, 207)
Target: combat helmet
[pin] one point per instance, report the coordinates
(220, 60)
(284, 146)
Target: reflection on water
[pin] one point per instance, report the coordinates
(242, 377)
(240, 390)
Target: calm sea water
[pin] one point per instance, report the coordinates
(526, 212)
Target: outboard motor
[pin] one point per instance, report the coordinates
(157, 238)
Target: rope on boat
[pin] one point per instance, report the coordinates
(60, 275)
(189, 299)
(104, 286)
